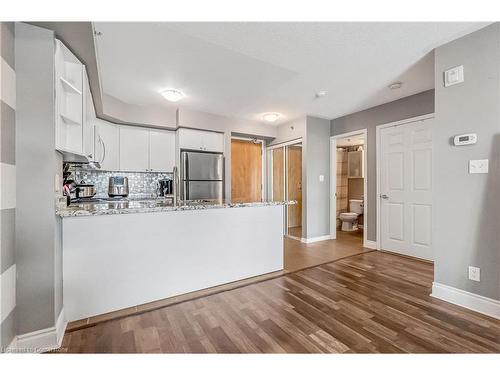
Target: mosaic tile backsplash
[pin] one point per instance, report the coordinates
(141, 184)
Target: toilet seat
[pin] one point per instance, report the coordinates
(348, 215)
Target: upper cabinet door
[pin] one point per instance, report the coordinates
(213, 142)
(161, 150)
(106, 145)
(190, 139)
(134, 149)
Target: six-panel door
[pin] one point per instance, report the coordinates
(406, 189)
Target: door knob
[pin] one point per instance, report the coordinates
(383, 196)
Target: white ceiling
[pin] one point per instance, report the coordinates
(243, 69)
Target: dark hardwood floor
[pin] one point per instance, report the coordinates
(368, 303)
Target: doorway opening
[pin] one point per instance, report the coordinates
(247, 164)
(285, 183)
(348, 186)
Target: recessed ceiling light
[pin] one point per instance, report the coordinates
(395, 85)
(172, 95)
(321, 94)
(271, 117)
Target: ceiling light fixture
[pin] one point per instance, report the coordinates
(173, 95)
(271, 117)
(395, 85)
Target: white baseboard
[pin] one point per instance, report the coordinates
(316, 239)
(41, 341)
(370, 244)
(471, 301)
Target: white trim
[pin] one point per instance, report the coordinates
(7, 292)
(471, 301)
(378, 128)
(333, 181)
(43, 340)
(7, 84)
(316, 239)
(370, 244)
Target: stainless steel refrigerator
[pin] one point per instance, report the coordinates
(202, 175)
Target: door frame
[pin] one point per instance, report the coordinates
(333, 181)
(263, 188)
(378, 130)
(285, 187)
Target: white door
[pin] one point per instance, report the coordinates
(134, 149)
(161, 150)
(106, 145)
(406, 189)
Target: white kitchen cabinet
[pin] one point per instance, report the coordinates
(134, 149)
(69, 100)
(161, 150)
(191, 139)
(107, 145)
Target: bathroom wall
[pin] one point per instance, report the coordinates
(141, 184)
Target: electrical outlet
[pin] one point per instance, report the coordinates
(474, 273)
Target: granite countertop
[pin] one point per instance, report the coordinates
(130, 206)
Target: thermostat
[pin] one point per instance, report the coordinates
(465, 139)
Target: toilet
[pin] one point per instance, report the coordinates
(350, 219)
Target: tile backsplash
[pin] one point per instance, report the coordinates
(141, 184)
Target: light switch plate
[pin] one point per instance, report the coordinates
(321, 178)
(478, 166)
(474, 273)
(454, 76)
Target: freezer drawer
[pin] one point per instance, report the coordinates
(202, 166)
(202, 190)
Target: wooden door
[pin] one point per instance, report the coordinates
(406, 189)
(246, 171)
(278, 162)
(294, 185)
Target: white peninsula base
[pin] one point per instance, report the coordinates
(111, 262)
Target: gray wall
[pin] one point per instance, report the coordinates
(38, 252)
(411, 106)
(467, 207)
(317, 163)
(8, 184)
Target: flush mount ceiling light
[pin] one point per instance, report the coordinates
(271, 117)
(395, 85)
(172, 95)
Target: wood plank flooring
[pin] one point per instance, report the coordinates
(368, 303)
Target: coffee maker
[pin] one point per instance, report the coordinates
(164, 187)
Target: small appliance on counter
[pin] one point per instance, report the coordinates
(84, 190)
(118, 187)
(164, 187)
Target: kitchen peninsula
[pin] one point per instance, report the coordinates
(121, 254)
